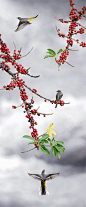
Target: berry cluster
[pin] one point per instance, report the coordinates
(61, 103)
(16, 56)
(61, 35)
(34, 133)
(21, 69)
(63, 57)
(74, 17)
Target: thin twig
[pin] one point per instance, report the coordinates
(28, 69)
(55, 17)
(33, 75)
(83, 15)
(38, 108)
(73, 50)
(2, 89)
(14, 45)
(59, 19)
(28, 150)
(81, 25)
(69, 64)
(45, 114)
(19, 105)
(27, 53)
(42, 134)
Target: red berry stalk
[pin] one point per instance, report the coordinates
(17, 82)
(74, 17)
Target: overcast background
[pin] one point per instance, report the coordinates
(16, 187)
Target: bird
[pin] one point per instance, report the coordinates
(58, 97)
(23, 22)
(43, 178)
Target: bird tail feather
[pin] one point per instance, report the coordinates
(56, 105)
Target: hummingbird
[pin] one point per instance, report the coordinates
(23, 22)
(43, 178)
(58, 97)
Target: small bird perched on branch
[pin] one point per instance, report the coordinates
(23, 22)
(58, 97)
(43, 178)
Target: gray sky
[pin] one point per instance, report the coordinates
(17, 188)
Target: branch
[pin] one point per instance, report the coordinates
(36, 93)
(33, 75)
(27, 53)
(60, 20)
(14, 45)
(69, 64)
(29, 150)
(42, 134)
(12, 74)
(2, 89)
(81, 25)
(73, 50)
(45, 114)
(18, 106)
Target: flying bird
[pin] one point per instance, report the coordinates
(43, 178)
(58, 97)
(23, 22)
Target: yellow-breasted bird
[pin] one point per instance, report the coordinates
(58, 97)
(43, 178)
(23, 22)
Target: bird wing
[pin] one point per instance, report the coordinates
(60, 96)
(21, 26)
(22, 19)
(51, 176)
(35, 176)
(57, 97)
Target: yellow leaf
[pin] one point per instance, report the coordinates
(49, 131)
(51, 126)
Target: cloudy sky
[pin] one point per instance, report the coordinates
(16, 187)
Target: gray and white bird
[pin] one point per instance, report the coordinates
(58, 97)
(23, 22)
(43, 178)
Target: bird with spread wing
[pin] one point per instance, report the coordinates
(43, 178)
(23, 22)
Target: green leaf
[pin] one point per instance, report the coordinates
(44, 141)
(60, 51)
(49, 139)
(48, 56)
(58, 154)
(51, 143)
(59, 148)
(59, 142)
(31, 143)
(54, 151)
(28, 137)
(51, 52)
(45, 136)
(53, 139)
(44, 149)
(59, 145)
